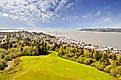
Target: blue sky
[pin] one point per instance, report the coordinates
(79, 14)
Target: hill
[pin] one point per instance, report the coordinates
(101, 29)
(52, 67)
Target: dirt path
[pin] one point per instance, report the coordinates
(9, 65)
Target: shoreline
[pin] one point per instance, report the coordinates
(87, 45)
(96, 38)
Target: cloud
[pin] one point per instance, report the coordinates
(84, 16)
(33, 10)
(63, 19)
(87, 15)
(75, 17)
(70, 18)
(99, 13)
(107, 20)
(4, 14)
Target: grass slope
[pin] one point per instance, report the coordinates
(52, 67)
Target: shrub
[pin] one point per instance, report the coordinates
(87, 53)
(70, 54)
(118, 75)
(88, 61)
(119, 60)
(2, 65)
(8, 57)
(99, 65)
(107, 68)
(113, 72)
(118, 70)
(13, 50)
(80, 59)
(27, 50)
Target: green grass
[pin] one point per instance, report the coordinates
(52, 67)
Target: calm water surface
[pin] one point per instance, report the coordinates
(111, 39)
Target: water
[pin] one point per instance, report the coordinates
(111, 39)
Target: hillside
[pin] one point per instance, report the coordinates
(101, 29)
(52, 67)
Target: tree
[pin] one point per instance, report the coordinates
(107, 68)
(35, 50)
(81, 51)
(2, 65)
(2, 53)
(88, 61)
(27, 50)
(113, 64)
(99, 65)
(119, 60)
(97, 55)
(87, 53)
(118, 72)
(13, 50)
(80, 59)
(105, 59)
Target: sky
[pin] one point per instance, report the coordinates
(61, 14)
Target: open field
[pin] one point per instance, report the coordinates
(52, 67)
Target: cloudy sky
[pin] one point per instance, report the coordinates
(60, 13)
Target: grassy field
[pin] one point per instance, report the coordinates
(52, 67)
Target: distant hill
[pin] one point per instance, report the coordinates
(101, 29)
